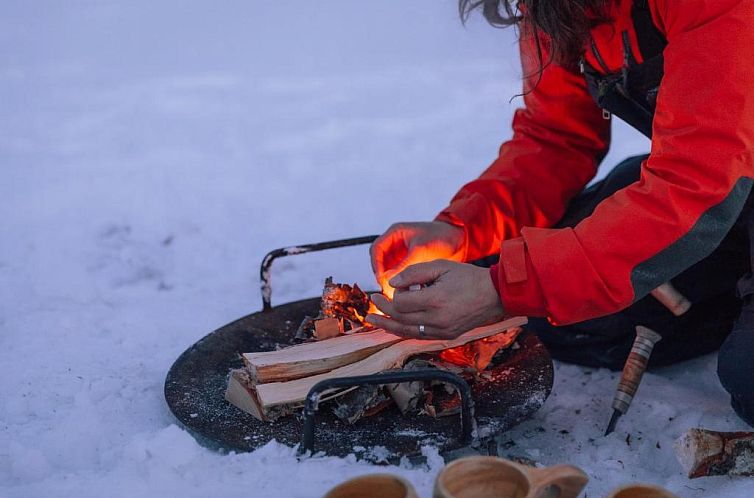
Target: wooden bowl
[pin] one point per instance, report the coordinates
(641, 491)
(373, 486)
(492, 477)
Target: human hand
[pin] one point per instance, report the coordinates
(404, 244)
(457, 298)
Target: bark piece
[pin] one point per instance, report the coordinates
(409, 395)
(365, 401)
(418, 396)
(703, 452)
(313, 358)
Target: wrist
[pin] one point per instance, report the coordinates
(457, 236)
(493, 305)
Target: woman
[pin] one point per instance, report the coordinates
(582, 262)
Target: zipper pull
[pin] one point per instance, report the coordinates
(581, 65)
(605, 114)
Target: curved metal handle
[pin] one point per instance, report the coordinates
(312, 399)
(264, 270)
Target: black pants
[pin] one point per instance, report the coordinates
(713, 320)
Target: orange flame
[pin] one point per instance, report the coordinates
(478, 354)
(374, 310)
(417, 256)
(383, 279)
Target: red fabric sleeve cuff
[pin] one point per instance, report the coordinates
(494, 271)
(517, 282)
(575, 289)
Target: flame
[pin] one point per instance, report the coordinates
(343, 301)
(479, 354)
(383, 279)
(374, 310)
(422, 255)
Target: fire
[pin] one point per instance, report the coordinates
(479, 354)
(345, 302)
(374, 310)
(383, 280)
(417, 256)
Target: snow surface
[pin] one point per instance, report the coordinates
(152, 152)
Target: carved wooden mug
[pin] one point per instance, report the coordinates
(373, 486)
(492, 477)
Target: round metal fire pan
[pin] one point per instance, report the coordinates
(195, 389)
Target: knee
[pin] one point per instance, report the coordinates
(734, 362)
(735, 368)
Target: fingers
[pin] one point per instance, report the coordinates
(420, 273)
(409, 301)
(404, 330)
(392, 326)
(420, 317)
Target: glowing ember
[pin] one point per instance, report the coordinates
(479, 354)
(345, 302)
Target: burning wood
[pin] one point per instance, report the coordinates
(345, 302)
(276, 383)
(343, 309)
(477, 354)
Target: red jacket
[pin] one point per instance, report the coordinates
(691, 189)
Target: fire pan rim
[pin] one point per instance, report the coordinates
(195, 387)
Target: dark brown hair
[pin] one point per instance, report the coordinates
(564, 24)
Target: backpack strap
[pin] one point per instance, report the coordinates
(651, 41)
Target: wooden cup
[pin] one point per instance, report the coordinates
(373, 486)
(641, 491)
(492, 477)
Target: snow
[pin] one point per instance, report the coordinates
(153, 152)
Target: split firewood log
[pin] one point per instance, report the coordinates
(311, 358)
(709, 453)
(241, 393)
(273, 399)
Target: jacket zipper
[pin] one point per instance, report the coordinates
(599, 58)
(605, 113)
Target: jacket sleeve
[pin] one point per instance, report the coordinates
(691, 190)
(559, 137)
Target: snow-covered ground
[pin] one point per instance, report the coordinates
(152, 152)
